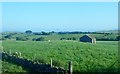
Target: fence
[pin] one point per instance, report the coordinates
(36, 66)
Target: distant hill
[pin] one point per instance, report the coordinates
(109, 31)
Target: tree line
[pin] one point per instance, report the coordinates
(24, 36)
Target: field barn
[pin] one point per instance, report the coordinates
(85, 57)
(88, 38)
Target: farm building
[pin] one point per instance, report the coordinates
(88, 38)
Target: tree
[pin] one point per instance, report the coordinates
(28, 32)
(40, 39)
(74, 38)
(118, 38)
(8, 36)
(22, 38)
(34, 39)
(44, 33)
(62, 38)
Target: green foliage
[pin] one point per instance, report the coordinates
(72, 38)
(28, 32)
(44, 33)
(39, 39)
(9, 67)
(106, 37)
(22, 38)
(56, 36)
(41, 60)
(2, 38)
(99, 57)
(57, 63)
(118, 38)
(7, 36)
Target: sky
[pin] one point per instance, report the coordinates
(59, 16)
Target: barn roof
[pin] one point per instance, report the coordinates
(91, 36)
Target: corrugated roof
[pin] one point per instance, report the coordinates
(91, 36)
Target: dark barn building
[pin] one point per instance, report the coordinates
(88, 38)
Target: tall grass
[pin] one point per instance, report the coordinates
(85, 56)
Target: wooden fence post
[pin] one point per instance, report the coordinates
(70, 67)
(34, 56)
(20, 54)
(51, 62)
(10, 52)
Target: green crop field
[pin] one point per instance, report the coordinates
(9, 67)
(59, 37)
(99, 57)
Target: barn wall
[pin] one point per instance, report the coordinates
(94, 41)
(85, 39)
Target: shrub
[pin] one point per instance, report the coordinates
(28, 32)
(34, 39)
(7, 36)
(40, 60)
(73, 38)
(57, 63)
(22, 38)
(118, 38)
(40, 39)
(62, 38)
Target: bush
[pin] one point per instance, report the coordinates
(40, 60)
(22, 38)
(57, 63)
(38, 39)
(3, 39)
(34, 39)
(118, 38)
(28, 32)
(7, 36)
(73, 38)
(62, 38)
(45, 33)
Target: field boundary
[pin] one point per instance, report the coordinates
(31, 66)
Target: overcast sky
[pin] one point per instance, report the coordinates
(59, 16)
